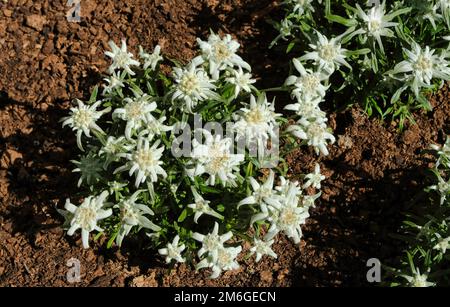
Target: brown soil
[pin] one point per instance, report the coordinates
(374, 173)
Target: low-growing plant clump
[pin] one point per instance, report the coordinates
(426, 231)
(155, 158)
(386, 55)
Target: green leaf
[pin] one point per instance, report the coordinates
(93, 97)
(182, 216)
(111, 240)
(290, 46)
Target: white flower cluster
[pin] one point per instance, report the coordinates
(442, 186)
(309, 89)
(215, 159)
(218, 257)
(429, 232)
(411, 27)
(129, 159)
(283, 206)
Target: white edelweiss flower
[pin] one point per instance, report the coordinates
(192, 86)
(225, 261)
(443, 245)
(315, 132)
(155, 127)
(136, 112)
(113, 147)
(418, 280)
(308, 109)
(327, 54)
(261, 248)
(377, 22)
(132, 214)
(115, 80)
(309, 85)
(263, 195)
(151, 60)
(286, 28)
(83, 119)
(421, 66)
(288, 216)
(314, 179)
(122, 59)
(212, 242)
(442, 151)
(443, 187)
(86, 215)
(173, 250)
(302, 6)
(214, 158)
(145, 161)
(284, 188)
(220, 53)
(308, 201)
(201, 206)
(241, 80)
(256, 122)
(115, 186)
(89, 167)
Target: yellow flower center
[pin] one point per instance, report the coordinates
(144, 158)
(189, 83)
(327, 52)
(221, 51)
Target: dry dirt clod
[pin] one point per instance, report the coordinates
(36, 22)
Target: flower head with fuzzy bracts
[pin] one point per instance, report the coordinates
(90, 168)
(288, 216)
(308, 201)
(144, 161)
(286, 27)
(314, 179)
(201, 206)
(173, 251)
(151, 60)
(442, 187)
(192, 86)
(122, 59)
(215, 158)
(83, 119)
(442, 151)
(263, 194)
(136, 112)
(309, 85)
(315, 132)
(443, 245)
(418, 280)
(212, 242)
(155, 127)
(241, 80)
(308, 109)
(421, 66)
(302, 6)
(376, 22)
(86, 215)
(256, 122)
(115, 81)
(132, 214)
(225, 261)
(261, 248)
(113, 147)
(220, 53)
(327, 54)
